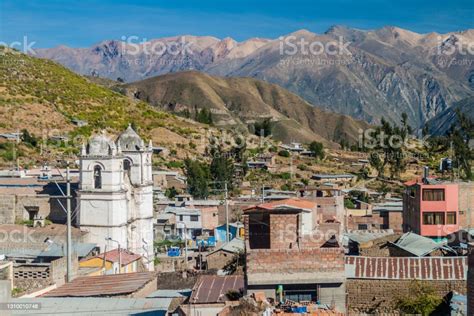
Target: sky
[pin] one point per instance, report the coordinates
(82, 23)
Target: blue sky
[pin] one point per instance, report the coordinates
(82, 23)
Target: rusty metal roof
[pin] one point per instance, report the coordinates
(212, 288)
(402, 268)
(104, 285)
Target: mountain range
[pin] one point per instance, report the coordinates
(365, 74)
(241, 102)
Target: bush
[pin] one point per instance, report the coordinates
(284, 153)
(302, 167)
(234, 295)
(348, 203)
(421, 300)
(175, 164)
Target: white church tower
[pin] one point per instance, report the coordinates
(116, 193)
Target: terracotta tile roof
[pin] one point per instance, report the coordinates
(213, 288)
(104, 285)
(400, 268)
(113, 256)
(288, 203)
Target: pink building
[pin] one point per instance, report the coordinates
(431, 208)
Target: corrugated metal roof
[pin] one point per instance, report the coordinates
(55, 250)
(236, 245)
(182, 210)
(126, 256)
(331, 176)
(104, 285)
(418, 245)
(294, 204)
(94, 306)
(212, 288)
(363, 236)
(404, 268)
(170, 293)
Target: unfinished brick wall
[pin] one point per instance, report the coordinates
(372, 222)
(295, 260)
(466, 204)
(395, 221)
(283, 231)
(380, 296)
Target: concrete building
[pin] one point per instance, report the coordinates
(292, 253)
(113, 262)
(116, 193)
(437, 208)
(29, 198)
(188, 221)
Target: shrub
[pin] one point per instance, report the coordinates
(284, 153)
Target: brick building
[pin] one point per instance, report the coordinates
(436, 209)
(292, 252)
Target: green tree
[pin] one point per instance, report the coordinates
(263, 128)
(28, 138)
(204, 116)
(389, 148)
(461, 135)
(198, 177)
(171, 192)
(421, 300)
(222, 168)
(317, 150)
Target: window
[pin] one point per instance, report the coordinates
(451, 218)
(412, 193)
(433, 218)
(181, 217)
(362, 227)
(299, 296)
(433, 194)
(194, 218)
(97, 177)
(126, 167)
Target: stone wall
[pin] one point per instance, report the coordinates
(15, 208)
(219, 259)
(380, 296)
(7, 209)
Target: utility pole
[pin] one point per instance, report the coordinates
(226, 214)
(226, 204)
(68, 211)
